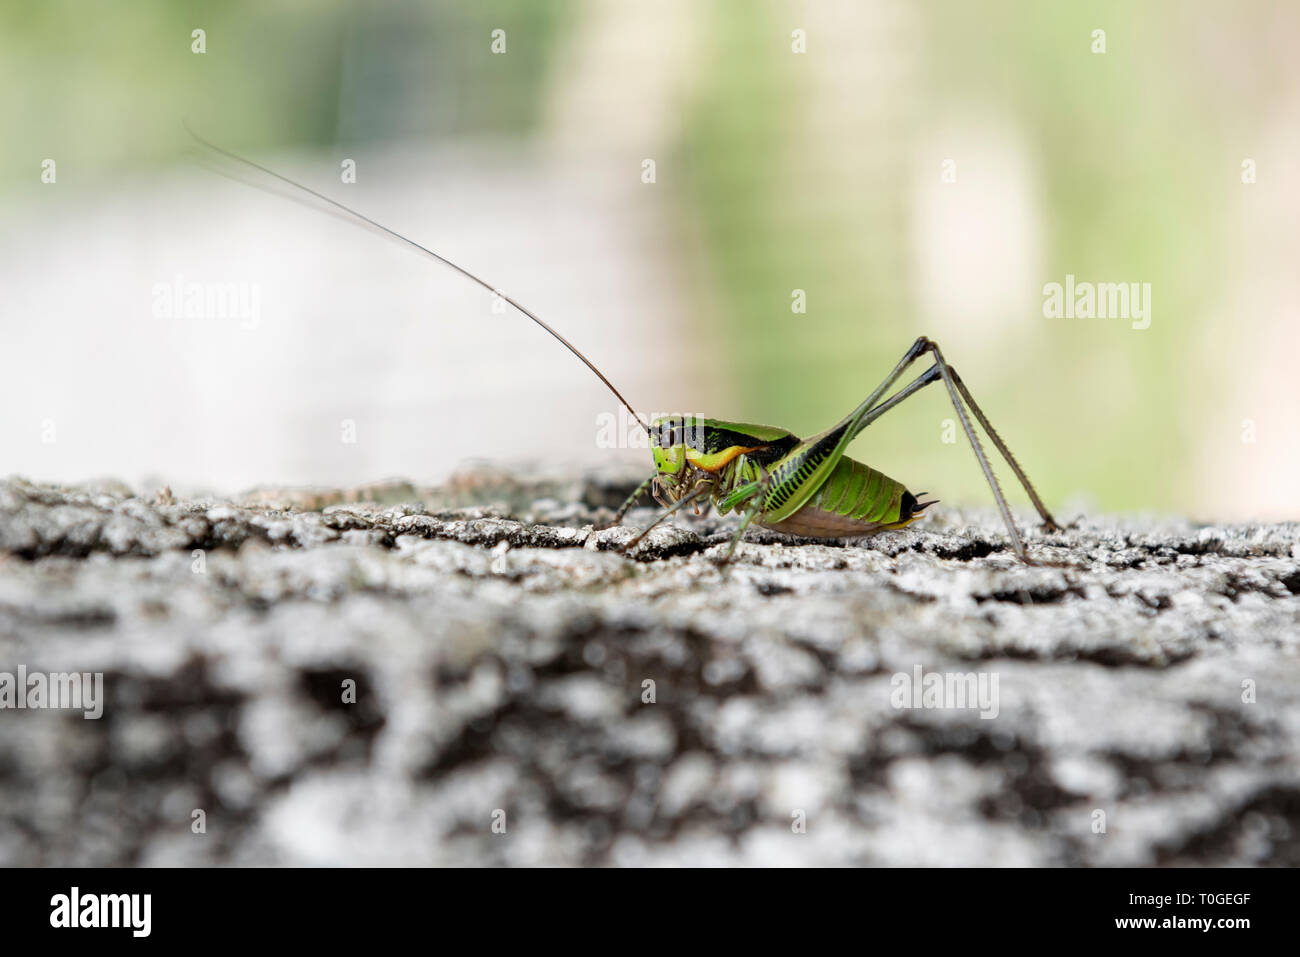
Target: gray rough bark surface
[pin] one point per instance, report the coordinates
(500, 651)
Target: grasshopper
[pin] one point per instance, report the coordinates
(769, 476)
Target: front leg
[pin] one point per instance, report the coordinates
(753, 492)
(701, 488)
(631, 500)
(751, 513)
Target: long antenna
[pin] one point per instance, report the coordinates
(428, 252)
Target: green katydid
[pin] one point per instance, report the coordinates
(769, 476)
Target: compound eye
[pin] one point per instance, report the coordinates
(670, 437)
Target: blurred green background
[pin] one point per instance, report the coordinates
(776, 170)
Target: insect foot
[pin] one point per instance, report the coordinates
(725, 561)
(661, 542)
(608, 538)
